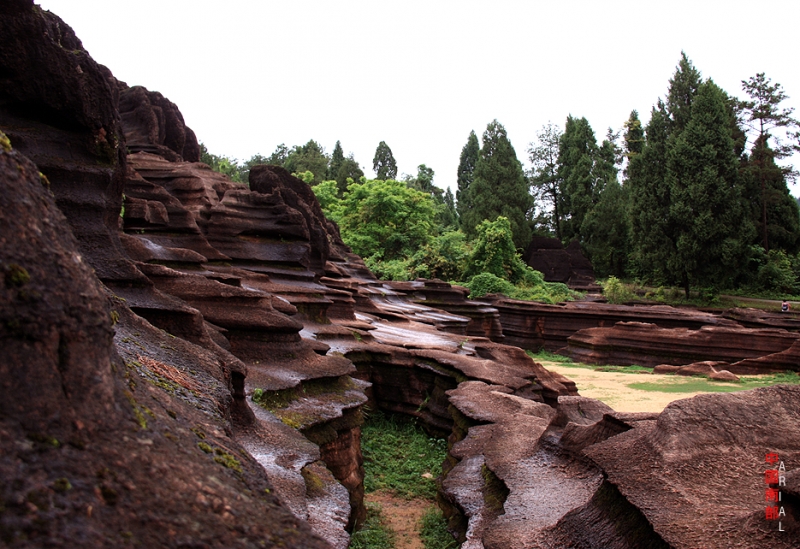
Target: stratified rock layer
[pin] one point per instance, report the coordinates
(648, 345)
(95, 441)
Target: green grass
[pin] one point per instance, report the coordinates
(433, 530)
(567, 362)
(397, 453)
(694, 384)
(547, 355)
(375, 533)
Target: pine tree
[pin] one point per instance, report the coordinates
(384, 163)
(466, 171)
(579, 194)
(337, 157)
(310, 157)
(499, 187)
(634, 138)
(652, 238)
(348, 170)
(683, 87)
(449, 217)
(773, 210)
(605, 231)
(765, 117)
(711, 231)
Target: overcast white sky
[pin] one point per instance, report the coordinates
(248, 75)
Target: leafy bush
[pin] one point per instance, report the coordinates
(531, 288)
(488, 283)
(615, 291)
(494, 252)
(394, 269)
(777, 274)
(446, 257)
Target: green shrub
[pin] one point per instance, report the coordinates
(488, 283)
(615, 291)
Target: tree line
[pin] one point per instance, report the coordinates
(694, 198)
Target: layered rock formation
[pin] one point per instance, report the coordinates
(203, 387)
(558, 264)
(649, 345)
(534, 326)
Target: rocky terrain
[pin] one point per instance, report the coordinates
(186, 360)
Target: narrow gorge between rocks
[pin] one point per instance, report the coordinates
(193, 373)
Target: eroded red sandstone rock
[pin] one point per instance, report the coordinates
(651, 345)
(700, 447)
(153, 123)
(533, 326)
(91, 442)
(558, 264)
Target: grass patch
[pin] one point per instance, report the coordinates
(433, 530)
(375, 533)
(397, 453)
(548, 356)
(694, 384)
(567, 362)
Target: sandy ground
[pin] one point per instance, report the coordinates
(403, 517)
(612, 388)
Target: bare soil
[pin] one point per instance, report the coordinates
(403, 516)
(612, 388)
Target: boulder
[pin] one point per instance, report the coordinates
(723, 375)
(568, 266)
(678, 470)
(91, 444)
(533, 325)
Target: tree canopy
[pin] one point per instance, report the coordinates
(499, 187)
(383, 163)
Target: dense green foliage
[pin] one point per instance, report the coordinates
(695, 197)
(498, 188)
(383, 163)
(433, 530)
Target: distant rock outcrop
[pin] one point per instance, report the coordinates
(646, 344)
(558, 264)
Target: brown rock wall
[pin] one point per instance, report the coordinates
(650, 345)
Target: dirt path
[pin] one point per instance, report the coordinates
(612, 388)
(403, 516)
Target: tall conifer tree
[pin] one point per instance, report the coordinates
(499, 187)
(383, 163)
(710, 228)
(579, 192)
(466, 171)
(337, 157)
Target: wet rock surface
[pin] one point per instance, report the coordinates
(204, 386)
